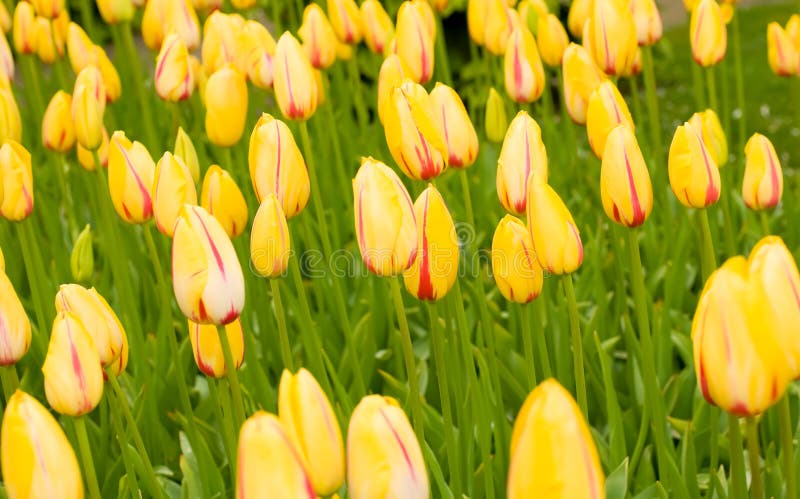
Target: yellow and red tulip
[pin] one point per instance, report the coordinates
(49, 45)
(131, 173)
(24, 33)
(16, 182)
(781, 51)
(346, 20)
(318, 37)
(708, 33)
(556, 239)
(647, 19)
(207, 347)
(515, 268)
(222, 41)
(111, 80)
(295, 88)
(10, 120)
(693, 172)
(414, 39)
(459, 133)
(378, 26)
(180, 18)
(500, 22)
(226, 106)
(173, 187)
(523, 70)
(391, 75)
(624, 180)
(15, 335)
(522, 155)
(153, 19)
(49, 9)
(270, 243)
(581, 77)
(707, 122)
(88, 107)
(58, 132)
(222, 198)
(256, 52)
(174, 78)
(606, 110)
(763, 177)
(611, 34)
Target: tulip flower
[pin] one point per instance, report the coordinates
(579, 13)
(206, 275)
(708, 33)
(530, 11)
(739, 368)
(24, 34)
(102, 324)
(111, 81)
(781, 51)
(36, 457)
(224, 200)
(294, 85)
(346, 20)
(79, 47)
(552, 450)
(115, 11)
(460, 135)
(172, 188)
(49, 46)
(131, 171)
(226, 106)
(15, 335)
(153, 19)
(73, 378)
(693, 172)
(6, 59)
(414, 133)
(523, 153)
(174, 80)
(10, 121)
(495, 120)
(581, 77)
(624, 180)
(385, 224)
(268, 464)
(184, 149)
(500, 23)
(378, 27)
(310, 423)
(88, 107)
(763, 177)
(86, 157)
(207, 347)
(606, 110)
(524, 74)
(714, 139)
(612, 35)
(58, 132)
(256, 51)
(318, 37)
(556, 239)
(180, 18)
(383, 455)
(16, 182)
(49, 9)
(414, 40)
(277, 166)
(476, 19)
(221, 41)
(392, 74)
(270, 243)
(552, 39)
(81, 260)
(514, 265)
(647, 20)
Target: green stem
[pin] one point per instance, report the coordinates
(737, 63)
(32, 258)
(711, 81)
(652, 101)
(123, 439)
(636, 99)
(31, 75)
(541, 341)
(232, 376)
(86, 457)
(356, 93)
(577, 344)
(787, 445)
(63, 186)
(87, 17)
(316, 193)
(228, 431)
(738, 478)
(464, 177)
(764, 218)
(527, 342)
(132, 58)
(283, 335)
(333, 128)
(9, 379)
(708, 257)
(697, 86)
(754, 455)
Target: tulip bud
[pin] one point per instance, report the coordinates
(647, 20)
(207, 347)
(385, 223)
(268, 464)
(24, 34)
(174, 80)
(378, 27)
(115, 11)
(612, 35)
(58, 132)
(522, 154)
(708, 33)
(414, 40)
(524, 74)
(556, 239)
(781, 51)
(763, 177)
(86, 157)
(79, 47)
(514, 265)
(49, 9)
(346, 20)
(73, 378)
(310, 423)
(206, 275)
(553, 40)
(500, 22)
(460, 135)
(173, 187)
(552, 448)
(88, 107)
(579, 13)
(294, 85)
(530, 12)
(793, 31)
(624, 180)
(256, 49)
(414, 133)
(581, 77)
(392, 74)
(16, 182)
(276, 165)
(153, 19)
(15, 335)
(496, 121)
(226, 106)
(6, 59)
(476, 20)
(221, 41)
(222, 198)
(714, 139)
(184, 149)
(48, 46)
(383, 455)
(606, 110)
(10, 121)
(318, 37)
(180, 18)
(49, 467)
(111, 81)
(270, 244)
(131, 171)
(693, 173)
(81, 260)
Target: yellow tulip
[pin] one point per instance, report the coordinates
(346, 20)
(647, 19)
(172, 188)
(793, 31)
(624, 180)
(556, 239)
(58, 132)
(115, 11)
(153, 19)
(184, 149)
(37, 458)
(319, 40)
(606, 110)
(16, 182)
(49, 47)
(496, 122)
(88, 107)
(206, 275)
(552, 39)
(131, 171)
(15, 335)
(310, 423)
(524, 74)
(612, 35)
(459, 133)
(111, 80)
(6, 59)
(221, 41)
(500, 22)
(226, 106)
(392, 74)
(414, 40)
(295, 89)
(180, 18)
(781, 51)
(222, 198)
(553, 454)
(514, 265)
(256, 52)
(708, 33)
(207, 347)
(277, 166)
(581, 77)
(10, 121)
(174, 80)
(378, 26)
(73, 378)
(383, 455)
(86, 157)
(531, 11)
(523, 154)
(385, 223)
(476, 19)
(79, 47)
(270, 244)
(693, 172)
(714, 139)
(579, 13)
(24, 34)
(268, 464)
(49, 9)
(763, 177)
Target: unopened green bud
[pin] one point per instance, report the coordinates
(184, 149)
(496, 120)
(81, 261)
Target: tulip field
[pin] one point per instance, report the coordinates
(399, 249)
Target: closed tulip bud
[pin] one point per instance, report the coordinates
(501, 21)
(385, 224)
(414, 133)
(714, 139)
(115, 11)
(460, 135)
(514, 265)
(73, 378)
(86, 157)
(693, 172)
(24, 33)
(647, 20)
(58, 132)
(793, 30)
(414, 40)
(6, 59)
(523, 153)
(226, 106)
(221, 41)
(552, 39)
(781, 51)
(612, 35)
(277, 167)
(476, 20)
(173, 187)
(111, 81)
(184, 149)
(88, 107)
(81, 260)
(295, 89)
(10, 121)
(224, 200)
(378, 27)
(256, 52)
(606, 110)
(556, 239)
(530, 11)
(15, 335)
(37, 458)
(763, 177)
(346, 20)
(153, 19)
(624, 180)
(16, 189)
(383, 454)
(49, 9)
(392, 74)
(496, 121)
(524, 74)
(552, 450)
(268, 463)
(79, 47)
(319, 40)
(131, 171)
(180, 18)
(708, 33)
(270, 244)
(581, 77)
(308, 419)
(206, 275)
(174, 80)
(49, 47)
(207, 347)
(579, 13)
